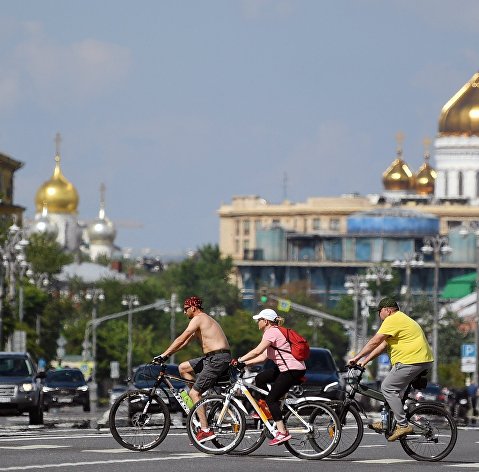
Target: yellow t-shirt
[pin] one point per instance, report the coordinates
(406, 342)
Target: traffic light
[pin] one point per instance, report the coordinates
(263, 298)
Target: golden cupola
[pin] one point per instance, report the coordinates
(460, 115)
(398, 176)
(426, 175)
(57, 194)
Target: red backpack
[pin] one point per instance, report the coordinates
(299, 345)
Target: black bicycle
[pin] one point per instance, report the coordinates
(435, 431)
(140, 419)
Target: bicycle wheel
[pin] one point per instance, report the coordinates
(228, 432)
(135, 429)
(314, 428)
(434, 436)
(352, 430)
(254, 436)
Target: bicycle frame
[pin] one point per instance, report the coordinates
(164, 378)
(241, 386)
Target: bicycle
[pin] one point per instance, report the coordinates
(139, 419)
(313, 425)
(435, 431)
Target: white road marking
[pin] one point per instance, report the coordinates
(385, 461)
(100, 463)
(34, 446)
(96, 436)
(465, 466)
(110, 451)
(374, 445)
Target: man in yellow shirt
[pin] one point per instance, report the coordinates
(410, 355)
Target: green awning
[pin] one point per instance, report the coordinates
(460, 286)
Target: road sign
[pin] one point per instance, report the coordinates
(284, 305)
(468, 358)
(114, 369)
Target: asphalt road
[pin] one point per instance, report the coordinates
(66, 443)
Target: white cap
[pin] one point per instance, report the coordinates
(266, 314)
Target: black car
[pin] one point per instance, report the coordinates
(20, 389)
(322, 376)
(145, 376)
(65, 387)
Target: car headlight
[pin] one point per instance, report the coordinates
(27, 387)
(48, 389)
(83, 388)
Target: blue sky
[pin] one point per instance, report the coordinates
(177, 106)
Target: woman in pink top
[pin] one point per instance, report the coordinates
(286, 372)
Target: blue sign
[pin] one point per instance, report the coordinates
(468, 350)
(42, 363)
(383, 359)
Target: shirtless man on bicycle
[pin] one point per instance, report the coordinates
(207, 369)
(410, 355)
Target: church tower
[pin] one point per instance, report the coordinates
(101, 232)
(457, 145)
(57, 199)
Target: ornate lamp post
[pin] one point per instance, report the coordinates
(13, 266)
(410, 261)
(94, 295)
(438, 246)
(130, 301)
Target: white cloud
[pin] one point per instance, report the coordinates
(50, 73)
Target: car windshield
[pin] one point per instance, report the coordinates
(65, 376)
(320, 361)
(15, 367)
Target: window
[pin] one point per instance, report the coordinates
(276, 222)
(237, 248)
(460, 184)
(316, 224)
(446, 185)
(237, 227)
(246, 244)
(334, 224)
(246, 227)
(257, 225)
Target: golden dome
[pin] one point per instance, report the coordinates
(426, 175)
(398, 176)
(58, 194)
(460, 115)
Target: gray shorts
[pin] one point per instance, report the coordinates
(209, 369)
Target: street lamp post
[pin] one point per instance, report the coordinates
(437, 245)
(173, 308)
(13, 263)
(95, 295)
(130, 301)
(410, 261)
(357, 286)
(41, 281)
(473, 226)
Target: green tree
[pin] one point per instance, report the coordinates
(207, 275)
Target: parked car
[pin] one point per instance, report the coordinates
(20, 388)
(322, 377)
(432, 392)
(116, 391)
(65, 387)
(144, 378)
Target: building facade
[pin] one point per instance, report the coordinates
(324, 239)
